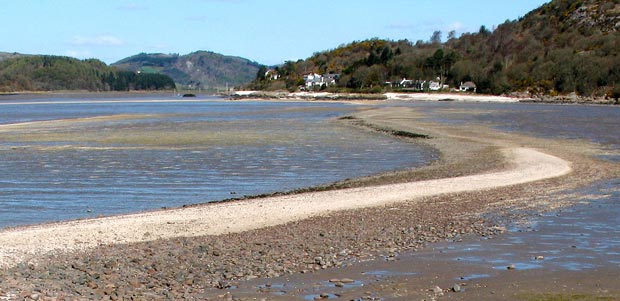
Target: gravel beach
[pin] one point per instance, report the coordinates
(189, 254)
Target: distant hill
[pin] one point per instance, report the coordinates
(203, 69)
(562, 47)
(53, 73)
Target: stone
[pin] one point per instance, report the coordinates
(321, 296)
(456, 288)
(347, 280)
(511, 267)
(436, 290)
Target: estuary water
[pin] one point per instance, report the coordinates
(64, 159)
(594, 123)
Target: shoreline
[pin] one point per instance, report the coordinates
(328, 96)
(321, 242)
(240, 216)
(322, 96)
(418, 96)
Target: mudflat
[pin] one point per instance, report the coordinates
(197, 251)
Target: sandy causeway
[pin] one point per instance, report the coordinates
(23, 244)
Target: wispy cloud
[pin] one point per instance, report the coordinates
(132, 6)
(99, 40)
(456, 26)
(427, 26)
(80, 54)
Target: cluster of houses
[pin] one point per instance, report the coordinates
(313, 81)
(417, 85)
(433, 85)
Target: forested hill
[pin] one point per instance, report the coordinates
(202, 69)
(562, 47)
(7, 55)
(52, 73)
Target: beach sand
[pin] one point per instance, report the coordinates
(439, 96)
(449, 97)
(183, 253)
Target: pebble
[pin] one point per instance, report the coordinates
(456, 288)
(321, 296)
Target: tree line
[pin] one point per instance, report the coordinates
(50, 73)
(565, 46)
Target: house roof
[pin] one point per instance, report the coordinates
(468, 85)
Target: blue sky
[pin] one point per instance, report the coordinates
(266, 31)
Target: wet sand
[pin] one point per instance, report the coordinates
(174, 268)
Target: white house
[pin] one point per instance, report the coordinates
(313, 79)
(434, 86)
(331, 79)
(317, 80)
(272, 74)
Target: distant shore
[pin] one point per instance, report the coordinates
(82, 94)
(361, 97)
(439, 96)
(322, 96)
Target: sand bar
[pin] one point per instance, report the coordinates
(17, 245)
(449, 97)
(416, 96)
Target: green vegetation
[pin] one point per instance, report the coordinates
(202, 70)
(386, 130)
(50, 73)
(562, 47)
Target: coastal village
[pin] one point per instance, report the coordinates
(314, 81)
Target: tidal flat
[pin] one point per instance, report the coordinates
(67, 160)
(382, 249)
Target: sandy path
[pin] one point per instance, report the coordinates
(527, 165)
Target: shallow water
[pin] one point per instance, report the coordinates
(582, 238)
(574, 239)
(593, 123)
(176, 153)
(578, 238)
